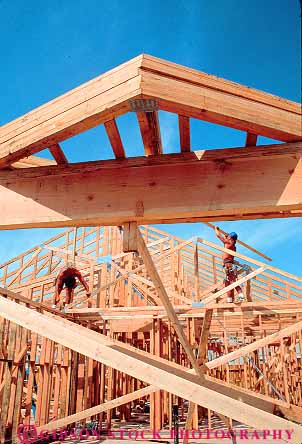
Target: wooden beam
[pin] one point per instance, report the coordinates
(58, 154)
(214, 184)
(115, 139)
(33, 161)
(130, 237)
(190, 75)
(163, 295)
(251, 139)
(248, 259)
(241, 243)
(229, 309)
(60, 423)
(201, 358)
(195, 94)
(184, 133)
(150, 131)
(223, 291)
(38, 305)
(153, 370)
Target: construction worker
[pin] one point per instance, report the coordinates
(67, 277)
(229, 241)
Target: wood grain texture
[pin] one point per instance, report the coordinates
(247, 183)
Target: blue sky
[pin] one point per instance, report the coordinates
(49, 47)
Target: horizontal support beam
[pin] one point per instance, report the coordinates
(148, 368)
(237, 183)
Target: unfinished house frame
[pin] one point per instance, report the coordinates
(157, 326)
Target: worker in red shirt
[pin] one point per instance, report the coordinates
(67, 277)
(229, 241)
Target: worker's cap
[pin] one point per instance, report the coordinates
(233, 235)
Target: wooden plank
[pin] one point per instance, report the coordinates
(184, 133)
(176, 89)
(130, 237)
(33, 161)
(251, 139)
(161, 291)
(39, 305)
(157, 372)
(115, 192)
(201, 358)
(115, 139)
(150, 132)
(233, 285)
(241, 243)
(60, 423)
(190, 75)
(58, 154)
(248, 259)
(194, 99)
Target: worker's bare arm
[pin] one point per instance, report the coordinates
(82, 281)
(219, 235)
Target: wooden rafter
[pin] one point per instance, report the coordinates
(195, 94)
(251, 139)
(115, 139)
(58, 154)
(184, 133)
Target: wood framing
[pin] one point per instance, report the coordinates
(153, 372)
(123, 294)
(175, 88)
(146, 189)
